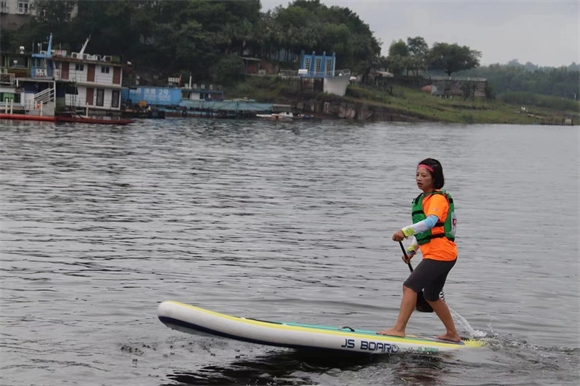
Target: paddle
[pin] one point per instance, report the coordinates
(422, 305)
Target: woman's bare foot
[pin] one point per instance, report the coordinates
(392, 332)
(450, 337)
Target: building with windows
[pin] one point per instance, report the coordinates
(317, 66)
(15, 13)
(49, 79)
(94, 81)
(318, 73)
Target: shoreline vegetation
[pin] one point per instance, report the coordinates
(400, 103)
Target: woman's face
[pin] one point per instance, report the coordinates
(424, 180)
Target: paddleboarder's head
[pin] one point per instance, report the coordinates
(430, 175)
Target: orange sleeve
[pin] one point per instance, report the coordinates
(437, 206)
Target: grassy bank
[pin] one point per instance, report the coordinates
(416, 103)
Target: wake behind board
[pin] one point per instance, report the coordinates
(195, 320)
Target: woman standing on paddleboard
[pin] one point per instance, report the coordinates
(433, 232)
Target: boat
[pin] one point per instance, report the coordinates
(198, 321)
(284, 116)
(276, 116)
(103, 121)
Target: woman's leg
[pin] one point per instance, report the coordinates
(407, 306)
(438, 305)
(443, 313)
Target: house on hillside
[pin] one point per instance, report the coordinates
(15, 13)
(318, 73)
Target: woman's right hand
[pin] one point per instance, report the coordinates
(410, 255)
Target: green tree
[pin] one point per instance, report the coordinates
(398, 48)
(229, 70)
(451, 58)
(398, 59)
(417, 46)
(312, 26)
(51, 17)
(194, 35)
(418, 51)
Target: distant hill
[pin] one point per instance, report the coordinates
(554, 81)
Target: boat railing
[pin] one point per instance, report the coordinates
(8, 79)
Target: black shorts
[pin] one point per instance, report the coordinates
(429, 276)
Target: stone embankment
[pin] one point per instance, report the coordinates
(358, 111)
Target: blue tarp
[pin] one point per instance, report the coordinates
(161, 96)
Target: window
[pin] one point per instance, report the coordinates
(307, 64)
(317, 66)
(329, 67)
(104, 69)
(18, 62)
(8, 97)
(115, 100)
(4, 6)
(23, 7)
(100, 97)
(71, 90)
(79, 67)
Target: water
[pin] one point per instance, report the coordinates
(279, 221)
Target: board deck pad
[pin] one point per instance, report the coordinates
(195, 320)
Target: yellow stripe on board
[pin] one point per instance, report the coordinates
(469, 343)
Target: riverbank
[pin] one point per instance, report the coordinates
(398, 104)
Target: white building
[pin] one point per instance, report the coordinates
(95, 80)
(15, 13)
(17, 7)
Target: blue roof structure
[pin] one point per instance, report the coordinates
(317, 66)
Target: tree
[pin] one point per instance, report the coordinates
(194, 35)
(417, 46)
(229, 69)
(451, 58)
(398, 48)
(418, 49)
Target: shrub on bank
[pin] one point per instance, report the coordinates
(521, 98)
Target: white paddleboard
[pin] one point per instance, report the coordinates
(195, 320)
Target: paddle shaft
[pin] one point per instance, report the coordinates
(441, 294)
(406, 256)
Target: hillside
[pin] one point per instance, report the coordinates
(405, 104)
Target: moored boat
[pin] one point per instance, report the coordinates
(277, 116)
(102, 121)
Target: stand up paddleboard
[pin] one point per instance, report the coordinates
(194, 320)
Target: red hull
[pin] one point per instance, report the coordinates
(95, 120)
(23, 117)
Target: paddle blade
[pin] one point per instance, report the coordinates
(422, 305)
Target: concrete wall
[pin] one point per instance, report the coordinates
(336, 85)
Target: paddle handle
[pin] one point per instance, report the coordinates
(406, 257)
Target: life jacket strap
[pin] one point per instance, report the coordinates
(439, 235)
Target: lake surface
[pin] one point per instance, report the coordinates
(287, 221)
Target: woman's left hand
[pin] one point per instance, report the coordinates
(399, 236)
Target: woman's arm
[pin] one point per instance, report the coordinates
(421, 226)
(412, 249)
